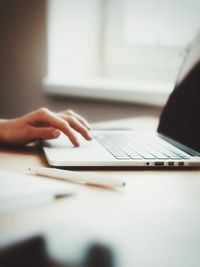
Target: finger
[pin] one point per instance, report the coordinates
(78, 117)
(48, 117)
(78, 126)
(44, 133)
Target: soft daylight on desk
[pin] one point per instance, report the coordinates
(99, 133)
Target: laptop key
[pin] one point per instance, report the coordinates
(175, 157)
(146, 155)
(183, 155)
(121, 158)
(159, 155)
(136, 157)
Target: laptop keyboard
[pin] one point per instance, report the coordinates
(134, 147)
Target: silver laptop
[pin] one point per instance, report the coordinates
(175, 144)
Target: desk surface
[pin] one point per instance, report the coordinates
(154, 221)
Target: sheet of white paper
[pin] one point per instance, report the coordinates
(19, 190)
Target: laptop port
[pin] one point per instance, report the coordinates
(159, 163)
(171, 163)
(181, 163)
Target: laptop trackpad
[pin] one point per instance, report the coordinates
(61, 150)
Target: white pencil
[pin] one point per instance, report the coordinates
(78, 177)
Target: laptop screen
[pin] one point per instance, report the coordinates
(180, 118)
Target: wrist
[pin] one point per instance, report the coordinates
(3, 123)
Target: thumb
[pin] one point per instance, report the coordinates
(45, 133)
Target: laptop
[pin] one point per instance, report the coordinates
(176, 143)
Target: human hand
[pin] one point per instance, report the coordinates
(44, 124)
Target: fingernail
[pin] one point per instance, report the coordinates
(56, 133)
(89, 127)
(77, 144)
(90, 137)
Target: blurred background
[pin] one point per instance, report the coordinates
(107, 59)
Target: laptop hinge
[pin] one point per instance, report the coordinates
(186, 149)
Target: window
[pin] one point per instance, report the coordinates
(127, 50)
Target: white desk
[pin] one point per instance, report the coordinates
(154, 221)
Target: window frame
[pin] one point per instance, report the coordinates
(109, 88)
